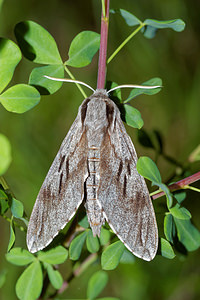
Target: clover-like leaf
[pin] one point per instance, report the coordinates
(92, 242)
(169, 227)
(12, 236)
(180, 212)
(53, 256)
(5, 154)
(132, 116)
(55, 277)
(82, 49)
(17, 208)
(10, 56)
(148, 169)
(20, 257)
(128, 17)
(20, 98)
(76, 246)
(166, 249)
(111, 256)
(96, 284)
(188, 234)
(44, 85)
(36, 43)
(29, 284)
(139, 91)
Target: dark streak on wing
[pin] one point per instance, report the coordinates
(128, 169)
(109, 113)
(61, 163)
(125, 185)
(120, 170)
(67, 168)
(84, 109)
(60, 182)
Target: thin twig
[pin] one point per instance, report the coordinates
(181, 184)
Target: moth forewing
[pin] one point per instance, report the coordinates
(96, 163)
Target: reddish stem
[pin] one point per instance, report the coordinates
(103, 48)
(179, 184)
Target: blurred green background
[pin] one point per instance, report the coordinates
(36, 135)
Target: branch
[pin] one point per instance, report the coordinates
(103, 47)
(182, 184)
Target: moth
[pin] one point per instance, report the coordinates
(96, 164)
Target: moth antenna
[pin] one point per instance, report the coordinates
(70, 80)
(147, 87)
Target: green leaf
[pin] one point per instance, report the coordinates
(12, 236)
(188, 234)
(82, 49)
(17, 208)
(20, 257)
(151, 82)
(180, 196)
(20, 98)
(96, 284)
(4, 202)
(44, 85)
(10, 56)
(76, 246)
(169, 227)
(148, 169)
(104, 236)
(132, 116)
(180, 212)
(127, 257)
(3, 274)
(111, 255)
(54, 277)
(167, 192)
(153, 25)
(145, 139)
(92, 242)
(166, 249)
(129, 18)
(29, 284)
(84, 222)
(5, 154)
(36, 43)
(53, 256)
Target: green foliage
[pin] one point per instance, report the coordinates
(36, 43)
(5, 154)
(92, 242)
(54, 276)
(137, 92)
(12, 236)
(17, 208)
(166, 249)
(148, 169)
(83, 48)
(133, 117)
(53, 256)
(20, 257)
(29, 284)
(77, 245)
(20, 98)
(10, 56)
(96, 284)
(111, 255)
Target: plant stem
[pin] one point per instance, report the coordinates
(125, 42)
(182, 184)
(103, 46)
(78, 85)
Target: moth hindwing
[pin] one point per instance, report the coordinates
(96, 163)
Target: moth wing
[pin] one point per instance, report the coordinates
(123, 194)
(62, 190)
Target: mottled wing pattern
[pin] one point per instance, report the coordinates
(63, 189)
(123, 194)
